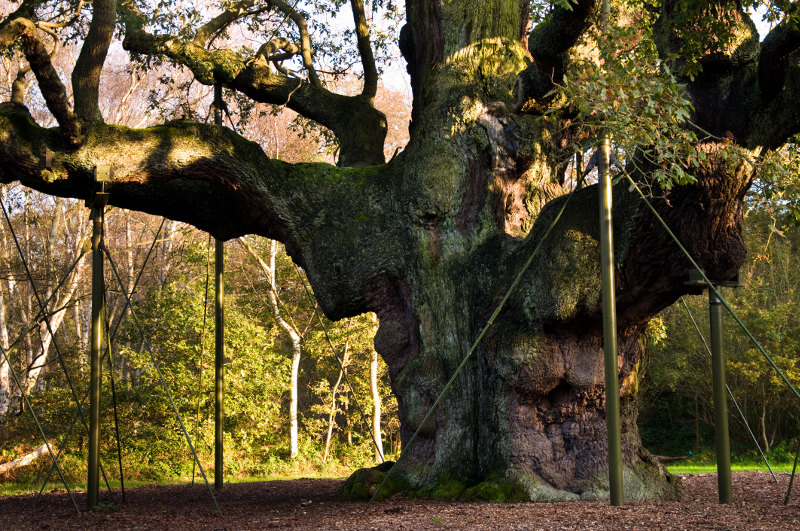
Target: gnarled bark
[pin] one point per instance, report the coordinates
(431, 240)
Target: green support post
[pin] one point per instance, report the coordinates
(219, 360)
(98, 203)
(613, 426)
(721, 434)
(219, 332)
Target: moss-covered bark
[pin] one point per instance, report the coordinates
(432, 240)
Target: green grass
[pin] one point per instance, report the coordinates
(706, 468)
(13, 488)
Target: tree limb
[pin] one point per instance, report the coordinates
(24, 460)
(560, 30)
(214, 179)
(359, 127)
(19, 87)
(222, 21)
(548, 43)
(53, 91)
(776, 51)
(305, 39)
(26, 10)
(365, 50)
(86, 74)
(56, 25)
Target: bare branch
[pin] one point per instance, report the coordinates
(53, 91)
(266, 53)
(365, 50)
(305, 39)
(222, 21)
(42, 24)
(86, 74)
(358, 126)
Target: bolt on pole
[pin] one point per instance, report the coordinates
(721, 434)
(610, 327)
(98, 202)
(219, 332)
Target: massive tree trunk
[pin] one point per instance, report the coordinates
(432, 240)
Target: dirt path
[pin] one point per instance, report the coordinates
(312, 504)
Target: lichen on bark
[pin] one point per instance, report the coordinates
(433, 239)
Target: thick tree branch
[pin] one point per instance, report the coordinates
(359, 127)
(776, 51)
(365, 50)
(549, 43)
(53, 91)
(86, 74)
(774, 122)
(266, 54)
(212, 178)
(746, 91)
(560, 30)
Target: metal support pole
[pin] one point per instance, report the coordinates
(98, 203)
(219, 360)
(613, 426)
(219, 331)
(721, 435)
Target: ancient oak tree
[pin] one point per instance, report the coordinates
(430, 241)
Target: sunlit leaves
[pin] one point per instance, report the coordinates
(630, 92)
(776, 189)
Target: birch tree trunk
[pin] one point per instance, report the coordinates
(332, 411)
(376, 407)
(291, 331)
(5, 377)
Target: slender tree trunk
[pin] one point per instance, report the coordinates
(291, 331)
(332, 411)
(331, 416)
(6, 390)
(376, 407)
(293, 424)
(27, 310)
(348, 424)
(56, 319)
(697, 440)
(5, 377)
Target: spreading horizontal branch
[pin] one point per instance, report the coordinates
(212, 178)
(359, 127)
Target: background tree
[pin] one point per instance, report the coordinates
(431, 240)
(676, 399)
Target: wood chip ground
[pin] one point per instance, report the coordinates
(312, 504)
